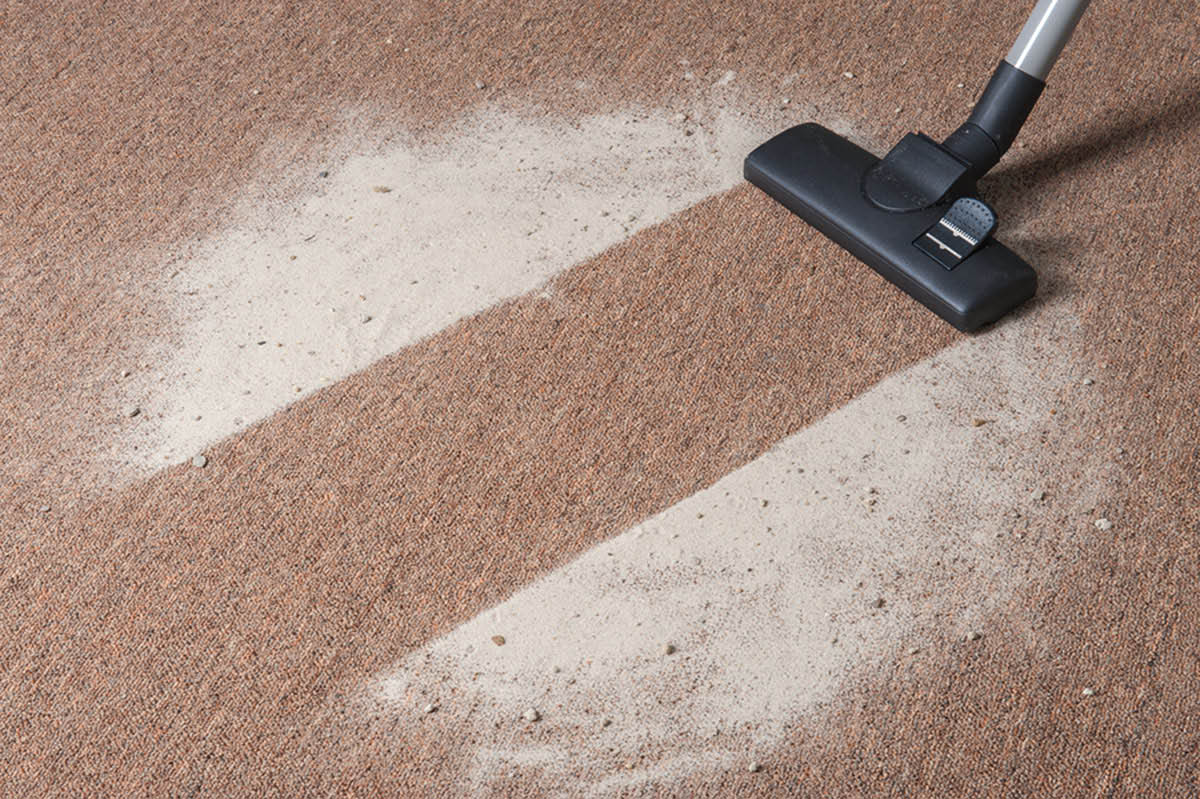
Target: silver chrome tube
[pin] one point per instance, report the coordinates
(1045, 35)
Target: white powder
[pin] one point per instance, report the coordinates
(277, 305)
(754, 578)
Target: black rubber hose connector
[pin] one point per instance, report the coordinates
(996, 119)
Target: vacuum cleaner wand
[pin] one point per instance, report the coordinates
(912, 215)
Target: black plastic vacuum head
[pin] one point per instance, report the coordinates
(909, 216)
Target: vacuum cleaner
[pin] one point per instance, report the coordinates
(914, 215)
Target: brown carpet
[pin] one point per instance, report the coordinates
(205, 632)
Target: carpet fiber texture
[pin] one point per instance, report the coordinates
(972, 560)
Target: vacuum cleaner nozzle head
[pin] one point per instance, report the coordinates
(908, 216)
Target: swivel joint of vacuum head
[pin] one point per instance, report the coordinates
(996, 119)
